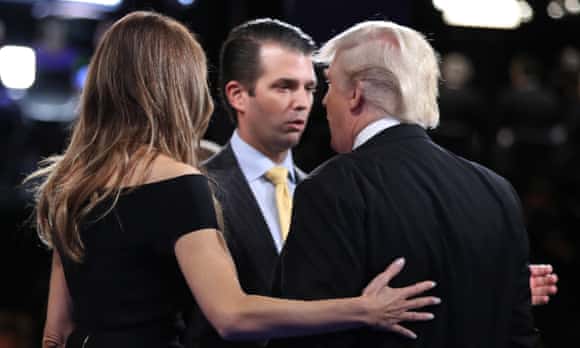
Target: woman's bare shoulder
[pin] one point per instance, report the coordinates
(165, 167)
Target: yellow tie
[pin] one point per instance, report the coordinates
(279, 177)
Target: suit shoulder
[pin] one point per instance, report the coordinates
(221, 160)
(336, 169)
(495, 181)
(487, 172)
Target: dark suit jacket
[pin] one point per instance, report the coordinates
(246, 233)
(454, 221)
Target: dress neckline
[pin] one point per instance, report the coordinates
(131, 188)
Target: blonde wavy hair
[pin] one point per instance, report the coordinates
(396, 66)
(145, 94)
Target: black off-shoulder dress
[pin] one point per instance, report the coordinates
(129, 290)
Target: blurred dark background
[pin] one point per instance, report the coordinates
(510, 99)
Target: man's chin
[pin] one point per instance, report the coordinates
(290, 142)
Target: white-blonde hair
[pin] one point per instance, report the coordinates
(395, 65)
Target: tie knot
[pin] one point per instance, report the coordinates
(277, 175)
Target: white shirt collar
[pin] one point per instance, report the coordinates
(373, 129)
(253, 163)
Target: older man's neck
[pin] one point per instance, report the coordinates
(363, 120)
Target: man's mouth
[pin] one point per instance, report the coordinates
(297, 124)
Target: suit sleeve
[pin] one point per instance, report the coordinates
(322, 257)
(522, 332)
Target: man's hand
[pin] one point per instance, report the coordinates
(542, 283)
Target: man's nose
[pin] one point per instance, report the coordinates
(302, 99)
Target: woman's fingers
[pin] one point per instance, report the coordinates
(383, 278)
(412, 304)
(417, 288)
(416, 316)
(396, 328)
(420, 302)
(403, 303)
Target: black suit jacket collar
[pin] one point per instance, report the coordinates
(226, 160)
(241, 210)
(245, 227)
(395, 133)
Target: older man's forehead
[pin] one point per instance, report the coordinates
(332, 67)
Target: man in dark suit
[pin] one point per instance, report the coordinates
(267, 82)
(392, 192)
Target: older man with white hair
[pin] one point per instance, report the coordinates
(393, 193)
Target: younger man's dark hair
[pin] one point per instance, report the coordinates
(240, 53)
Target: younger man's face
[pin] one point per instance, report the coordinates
(277, 112)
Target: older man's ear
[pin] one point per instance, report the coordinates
(356, 99)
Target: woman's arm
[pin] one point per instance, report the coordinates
(211, 275)
(59, 322)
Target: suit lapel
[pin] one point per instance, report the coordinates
(244, 218)
(300, 175)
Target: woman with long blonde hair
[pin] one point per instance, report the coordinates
(132, 221)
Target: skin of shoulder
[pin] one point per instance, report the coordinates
(165, 167)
